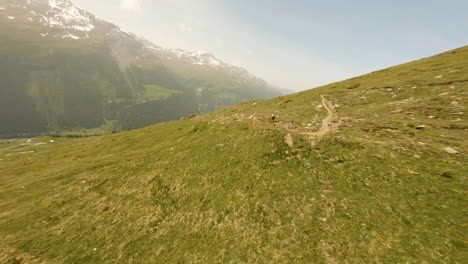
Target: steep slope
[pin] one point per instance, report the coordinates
(383, 182)
(64, 69)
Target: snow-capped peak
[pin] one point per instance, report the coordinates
(63, 14)
(60, 15)
(197, 57)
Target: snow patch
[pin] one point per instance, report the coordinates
(62, 14)
(199, 91)
(214, 61)
(196, 57)
(69, 35)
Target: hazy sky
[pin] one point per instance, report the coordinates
(296, 44)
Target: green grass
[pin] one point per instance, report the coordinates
(110, 126)
(226, 188)
(155, 93)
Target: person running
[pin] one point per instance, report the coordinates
(273, 118)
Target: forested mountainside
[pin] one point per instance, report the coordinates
(63, 69)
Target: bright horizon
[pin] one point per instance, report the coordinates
(298, 45)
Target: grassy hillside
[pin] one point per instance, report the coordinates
(384, 183)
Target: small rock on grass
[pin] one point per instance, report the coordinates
(447, 174)
(450, 150)
(288, 139)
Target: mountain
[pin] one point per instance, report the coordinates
(64, 69)
(369, 170)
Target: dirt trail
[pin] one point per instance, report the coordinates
(329, 124)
